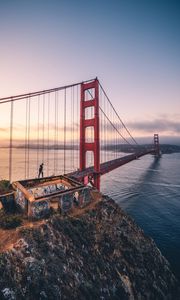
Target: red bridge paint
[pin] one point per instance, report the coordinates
(111, 165)
(98, 169)
(90, 97)
(94, 122)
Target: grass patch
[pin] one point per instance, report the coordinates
(5, 186)
(8, 221)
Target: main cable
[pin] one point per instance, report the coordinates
(117, 114)
(34, 94)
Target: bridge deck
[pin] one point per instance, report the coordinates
(111, 165)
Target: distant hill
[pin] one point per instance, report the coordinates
(165, 148)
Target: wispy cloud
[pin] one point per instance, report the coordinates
(46, 127)
(159, 125)
(3, 129)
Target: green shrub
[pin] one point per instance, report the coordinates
(10, 221)
(5, 186)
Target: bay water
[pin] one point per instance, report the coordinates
(148, 189)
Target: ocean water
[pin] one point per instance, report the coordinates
(148, 189)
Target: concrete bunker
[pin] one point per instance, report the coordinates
(36, 197)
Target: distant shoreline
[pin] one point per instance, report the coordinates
(165, 148)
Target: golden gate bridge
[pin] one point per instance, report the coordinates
(72, 129)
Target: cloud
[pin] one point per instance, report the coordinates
(51, 127)
(3, 129)
(156, 125)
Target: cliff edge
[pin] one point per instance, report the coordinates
(100, 254)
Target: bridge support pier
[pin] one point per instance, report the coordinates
(90, 98)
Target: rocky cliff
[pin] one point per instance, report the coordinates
(102, 254)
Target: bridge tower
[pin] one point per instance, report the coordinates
(156, 144)
(90, 88)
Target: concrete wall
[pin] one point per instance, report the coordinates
(21, 201)
(63, 202)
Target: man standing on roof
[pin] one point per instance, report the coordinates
(41, 170)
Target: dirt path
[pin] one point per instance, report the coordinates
(8, 237)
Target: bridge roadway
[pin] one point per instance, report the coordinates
(111, 165)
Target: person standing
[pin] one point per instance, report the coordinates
(41, 170)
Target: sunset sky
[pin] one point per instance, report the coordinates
(132, 46)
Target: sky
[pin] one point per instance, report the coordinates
(132, 46)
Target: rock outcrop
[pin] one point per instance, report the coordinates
(101, 254)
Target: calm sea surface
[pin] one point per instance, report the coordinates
(147, 189)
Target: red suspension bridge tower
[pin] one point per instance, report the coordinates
(156, 144)
(93, 89)
(94, 106)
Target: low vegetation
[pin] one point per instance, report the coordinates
(101, 254)
(5, 186)
(9, 221)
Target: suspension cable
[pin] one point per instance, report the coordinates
(114, 126)
(55, 102)
(71, 129)
(73, 123)
(77, 120)
(43, 120)
(65, 131)
(37, 142)
(25, 142)
(56, 131)
(10, 142)
(34, 94)
(29, 119)
(48, 135)
(117, 114)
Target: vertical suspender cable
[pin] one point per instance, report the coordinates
(43, 127)
(92, 116)
(109, 133)
(73, 124)
(116, 140)
(101, 127)
(73, 128)
(105, 130)
(48, 135)
(65, 131)
(38, 108)
(119, 139)
(104, 134)
(103, 119)
(55, 133)
(108, 128)
(25, 146)
(77, 122)
(29, 117)
(10, 142)
(113, 141)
